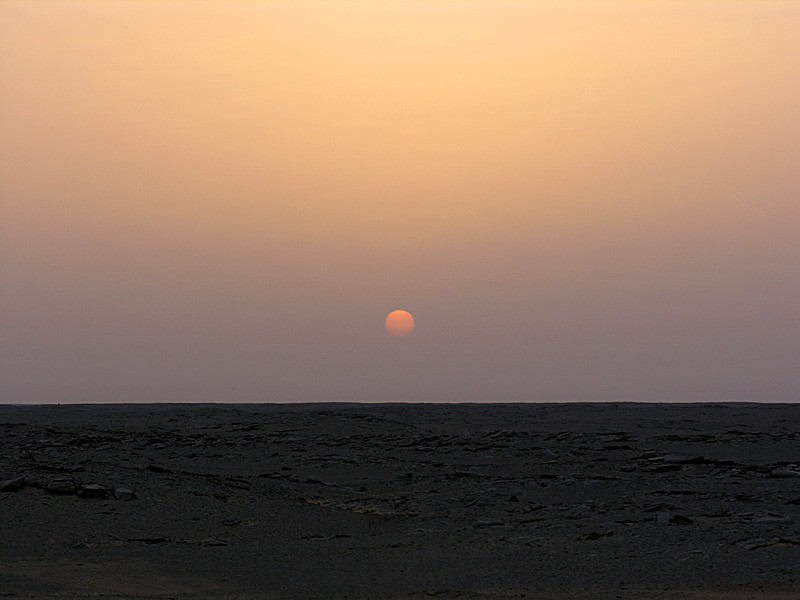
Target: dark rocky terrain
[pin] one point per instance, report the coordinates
(400, 501)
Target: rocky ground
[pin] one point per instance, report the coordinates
(400, 501)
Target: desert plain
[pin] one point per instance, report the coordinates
(395, 501)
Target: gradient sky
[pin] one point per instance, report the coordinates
(221, 201)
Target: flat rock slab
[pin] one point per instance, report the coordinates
(12, 485)
(400, 501)
(61, 487)
(91, 490)
(123, 493)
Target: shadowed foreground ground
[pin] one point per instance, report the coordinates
(400, 501)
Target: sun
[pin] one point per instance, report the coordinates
(399, 323)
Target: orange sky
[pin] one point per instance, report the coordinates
(577, 200)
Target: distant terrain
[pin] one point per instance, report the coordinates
(391, 501)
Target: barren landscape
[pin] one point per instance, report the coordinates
(400, 501)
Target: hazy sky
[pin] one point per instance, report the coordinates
(221, 201)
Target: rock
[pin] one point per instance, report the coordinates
(784, 473)
(718, 514)
(513, 499)
(681, 520)
(214, 542)
(596, 535)
(771, 518)
(61, 487)
(232, 522)
(489, 523)
(158, 469)
(756, 543)
(680, 459)
(12, 485)
(581, 512)
(123, 493)
(666, 468)
(92, 490)
(659, 507)
(663, 519)
(746, 497)
(55, 468)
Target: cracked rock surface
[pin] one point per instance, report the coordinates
(400, 501)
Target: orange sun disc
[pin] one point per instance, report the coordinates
(399, 323)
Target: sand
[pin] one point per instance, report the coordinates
(400, 501)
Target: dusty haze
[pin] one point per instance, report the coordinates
(221, 201)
